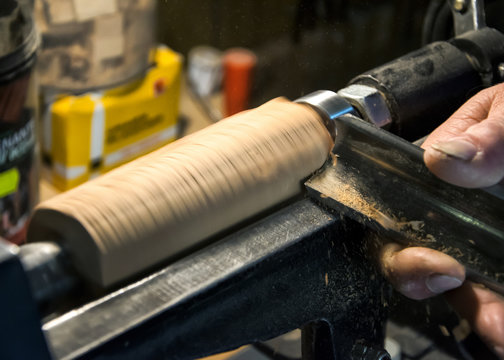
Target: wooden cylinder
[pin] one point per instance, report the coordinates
(152, 208)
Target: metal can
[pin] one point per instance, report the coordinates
(88, 45)
(18, 146)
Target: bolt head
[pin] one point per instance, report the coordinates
(369, 102)
(459, 5)
(500, 69)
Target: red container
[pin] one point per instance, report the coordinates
(239, 67)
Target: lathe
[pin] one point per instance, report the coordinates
(259, 224)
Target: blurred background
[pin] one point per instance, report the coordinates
(301, 45)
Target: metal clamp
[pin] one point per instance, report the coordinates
(328, 105)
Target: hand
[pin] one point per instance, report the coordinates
(466, 150)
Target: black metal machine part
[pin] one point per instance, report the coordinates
(302, 264)
(20, 332)
(299, 266)
(425, 87)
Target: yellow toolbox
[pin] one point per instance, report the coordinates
(86, 135)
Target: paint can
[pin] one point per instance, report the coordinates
(18, 106)
(239, 65)
(205, 70)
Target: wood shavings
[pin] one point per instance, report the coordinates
(346, 192)
(345, 188)
(334, 158)
(444, 330)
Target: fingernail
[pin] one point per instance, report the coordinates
(499, 350)
(441, 283)
(457, 148)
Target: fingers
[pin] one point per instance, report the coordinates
(468, 149)
(484, 310)
(419, 273)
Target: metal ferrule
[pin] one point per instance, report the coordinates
(328, 105)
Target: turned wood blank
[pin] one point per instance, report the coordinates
(156, 206)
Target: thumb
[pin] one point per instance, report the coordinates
(468, 149)
(419, 273)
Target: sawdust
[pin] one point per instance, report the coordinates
(413, 230)
(444, 330)
(348, 195)
(334, 159)
(415, 225)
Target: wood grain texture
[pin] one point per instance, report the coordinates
(141, 213)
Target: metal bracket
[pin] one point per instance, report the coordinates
(467, 15)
